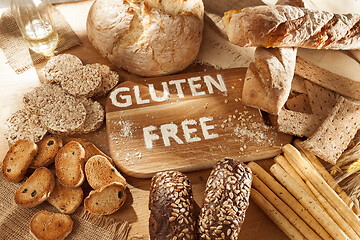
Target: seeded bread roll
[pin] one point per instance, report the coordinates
(17, 160)
(36, 189)
(171, 206)
(145, 37)
(226, 200)
(47, 150)
(46, 225)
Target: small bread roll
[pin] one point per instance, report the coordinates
(147, 37)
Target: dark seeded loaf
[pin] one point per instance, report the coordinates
(171, 206)
(226, 200)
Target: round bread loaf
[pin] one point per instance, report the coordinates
(147, 37)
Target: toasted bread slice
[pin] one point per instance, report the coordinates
(36, 189)
(17, 160)
(91, 150)
(46, 225)
(47, 150)
(66, 199)
(69, 164)
(106, 200)
(99, 172)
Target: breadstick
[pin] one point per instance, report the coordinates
(284, 163)
(326, 175)
(275, 216)
(315, 210)
(334, 214)
(320, 184)
(286, 211)
(282, 193)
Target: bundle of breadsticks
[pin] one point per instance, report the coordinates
(319, 103)
(303, 199)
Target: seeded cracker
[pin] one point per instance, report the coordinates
(226, 200)
(24, 125)
(58, 68)
(109, 79)
(63, 117)
(171, 206)
(45, 94)
(84, 82)
(94, 116)
(336, 132)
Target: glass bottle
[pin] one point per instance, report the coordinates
(35, 24)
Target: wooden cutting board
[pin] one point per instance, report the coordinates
(185, 122)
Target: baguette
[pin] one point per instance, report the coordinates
(268, 79)
(287, 26)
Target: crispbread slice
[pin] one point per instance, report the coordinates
(18, 159)
(84, 82)
(109, 79)
(36, 189)
(66, 199)
(46, 225)
(336, 132)
(322, 100)
(44, 94)
(95, 115)
(69, 164)
(297, 123)
(63, 117)
(297, 84)
(299, 103)
(99, 172)
(106, 200)
(47, 150)
(58, 67)
(24, 125)
(92, 150)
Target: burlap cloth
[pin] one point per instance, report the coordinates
(17, 53)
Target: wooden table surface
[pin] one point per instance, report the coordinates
(12, 87)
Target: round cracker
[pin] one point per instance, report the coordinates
(63, 117)
(109, 78)
(94, 116)
(84, 82)
(24, 125)
(57, 68)
(43, 95)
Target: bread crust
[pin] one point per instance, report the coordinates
(287, 26)
(148, 38)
